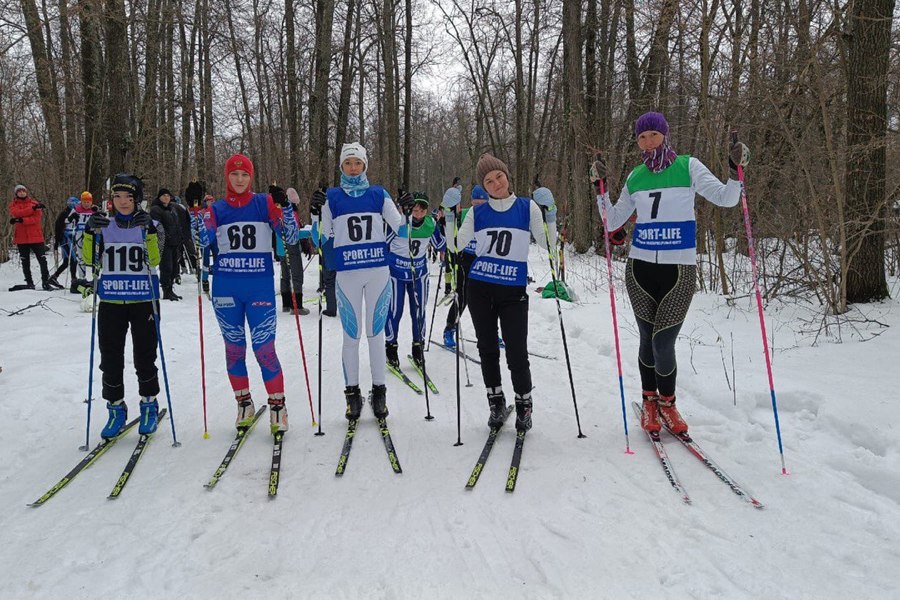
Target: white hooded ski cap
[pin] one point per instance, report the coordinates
(353, 150)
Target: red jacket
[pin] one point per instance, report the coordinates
(29, 231)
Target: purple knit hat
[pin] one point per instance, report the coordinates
(651, 121)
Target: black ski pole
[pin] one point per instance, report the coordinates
(562, 326)
(437, 292)
(321, 292)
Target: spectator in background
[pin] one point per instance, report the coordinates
(25, 215)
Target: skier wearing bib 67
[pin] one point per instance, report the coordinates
(661, 271)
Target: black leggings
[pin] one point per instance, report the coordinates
(488, 303)
(113, 321)
(660, 297)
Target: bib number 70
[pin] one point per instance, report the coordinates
(500, 242)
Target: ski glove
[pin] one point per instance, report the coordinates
(141, 219)
(279, 196)
(452, 198)
(73, 216)
(97, 221)
(194, 193)
(598, 173)
(406, 203)
(38, 206)
(15, 220)
(544, 198)
(617, 237)
(318, 201)
(738, 154)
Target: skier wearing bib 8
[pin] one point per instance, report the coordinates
(126, 300)
(425, 233)
(354, 214)
(661, 271)
(501, 228)
(238, 229)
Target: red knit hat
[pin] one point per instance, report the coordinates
(238, 162)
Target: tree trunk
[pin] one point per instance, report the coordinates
(318, 99)
(47, 93)
(577, 198)
(865, 208)
(407, 100)
(93, 97)
(347, 68)
(118, 95)
(293, 118)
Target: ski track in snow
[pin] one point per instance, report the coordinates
(586, 520)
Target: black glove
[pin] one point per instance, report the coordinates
(193, 194)
(738, 154)
(97, 221)
(141, 219)
(598, 172)
(406, 202)
(15, 220)
(72, 217)
(279, 196)
(318, 201)
(617, 237)
(38, 206)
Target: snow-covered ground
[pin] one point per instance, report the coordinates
(586, 520)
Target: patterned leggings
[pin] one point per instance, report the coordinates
(660, 297)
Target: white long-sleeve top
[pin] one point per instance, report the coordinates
(666, 229)
(466, 231)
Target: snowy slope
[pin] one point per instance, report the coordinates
(586, 520)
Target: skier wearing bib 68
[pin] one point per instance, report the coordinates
(354, 214)
(238, 229)
(661, 271)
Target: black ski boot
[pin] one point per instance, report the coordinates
(379, 401)
(418, 354)
(497, 402)
(354, 402)
(523, 412)
(390, 351)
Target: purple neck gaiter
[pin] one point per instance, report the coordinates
(660, 158)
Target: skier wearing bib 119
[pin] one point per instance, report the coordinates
(354, 214)
(127, 248)
(661, 271)
(502, 228)
(239, 231)
(425, 232)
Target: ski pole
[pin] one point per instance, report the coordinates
(759, 305)
(412, 269)
(96, 265)
(198, 255)
(601, 188)
(321, 291)
(437, 292)
(562, 326)
(162, 355)
(287, 261)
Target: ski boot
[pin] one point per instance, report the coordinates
(354, 402)
(56, 285)
(650, 413)
(301, 310)
(497, 403)
(379, 401)
(245, 410)
(523, 412)
(450, 338)
(418, 354)
(206, 286)
(390, 351)
(118, 416)
(149, 416)
(670, 415)
(285, 302)
(278, 415)
(22, 286)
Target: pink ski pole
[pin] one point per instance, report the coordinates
(759, 305)
(601, 187)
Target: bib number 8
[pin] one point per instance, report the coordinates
(242, 237)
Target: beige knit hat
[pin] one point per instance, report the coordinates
(486, 164)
